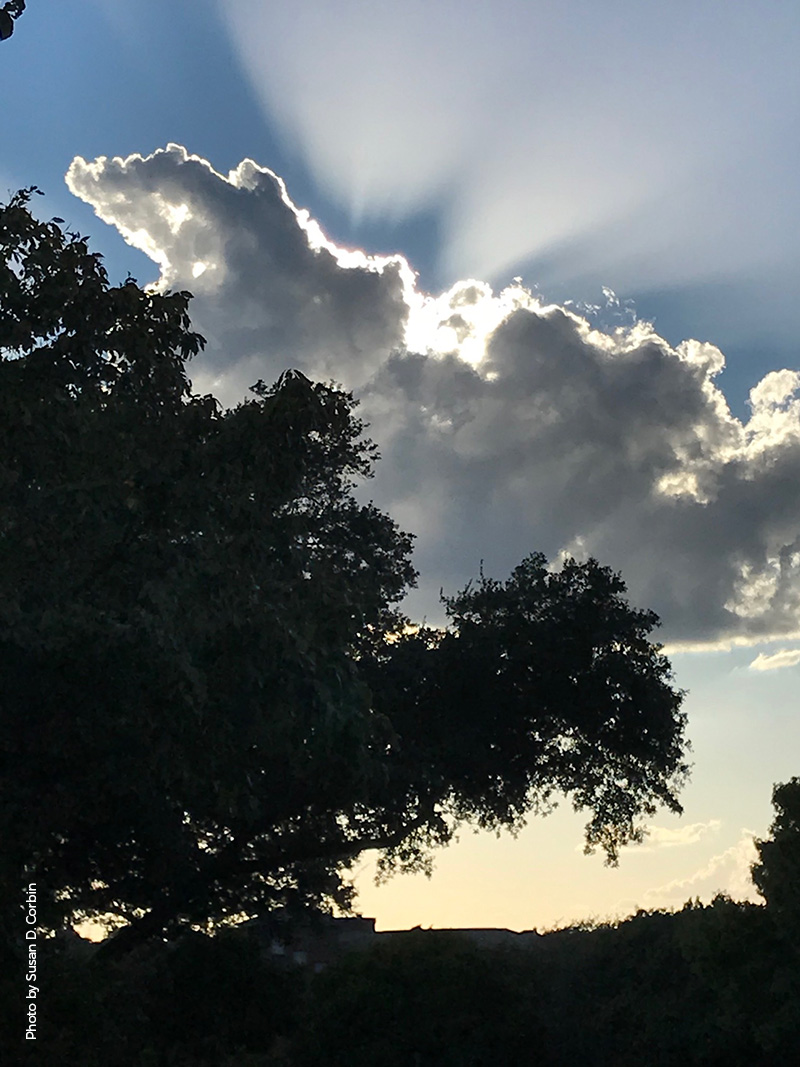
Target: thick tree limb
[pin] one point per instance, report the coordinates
(228, 863)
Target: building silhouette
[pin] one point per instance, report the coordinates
(316, 940)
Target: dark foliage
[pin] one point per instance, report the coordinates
(545, 683)
(777, 873)
(704, 987)
(184, 593)
(427, 999)
(210, 705)
(200, 1002)
(10, 11)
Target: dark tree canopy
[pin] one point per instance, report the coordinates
(210, 703)
(547, 683)
(10, 11)
(776, 875)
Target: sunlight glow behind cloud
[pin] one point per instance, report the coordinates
(610, 133)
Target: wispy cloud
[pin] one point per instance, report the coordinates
(775, 661)
(727, 872)
(659, 837)
(505, 424)
(664, 837)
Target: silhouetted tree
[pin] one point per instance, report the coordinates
(210, 705)
(10, 11)
(776, 875)
(546, 682)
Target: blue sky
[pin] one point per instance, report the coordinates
(522, 163)
(96, 77)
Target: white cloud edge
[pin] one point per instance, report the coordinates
(740, 856)
(775, 661)
(727, 872)
(660, 837)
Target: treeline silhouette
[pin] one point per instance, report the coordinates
(716, 985)
(710, 985)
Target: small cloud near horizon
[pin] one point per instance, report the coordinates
(663, 837)
(726, 872)
(659, 837)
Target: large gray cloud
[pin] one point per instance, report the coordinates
(505, 425)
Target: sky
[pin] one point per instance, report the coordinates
(552, 249)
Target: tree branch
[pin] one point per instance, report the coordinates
(229, 862)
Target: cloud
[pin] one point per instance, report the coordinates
(727, 872)
(784, 657)
(506, 425)
(659, 837)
